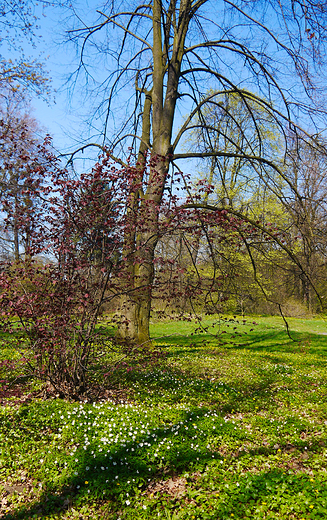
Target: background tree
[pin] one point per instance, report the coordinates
(19, 29)
(232, 125)
(22, 155)
(169, 51)
(308, 167)
(252, 189)
(20, 76)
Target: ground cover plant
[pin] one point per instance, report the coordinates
(227, 427)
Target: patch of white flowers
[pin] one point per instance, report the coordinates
(116, 440)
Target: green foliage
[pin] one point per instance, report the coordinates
(235, 431)
(235, 122)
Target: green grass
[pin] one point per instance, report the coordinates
(228, 427)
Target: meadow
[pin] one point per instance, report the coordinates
(231, 427)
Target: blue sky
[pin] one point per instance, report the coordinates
(65, 119)
(56, 114)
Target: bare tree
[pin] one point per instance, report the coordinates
(21, 150)
(162, 57)
(18, 30)
(309, 217)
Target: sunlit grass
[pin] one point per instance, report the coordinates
(220, 428)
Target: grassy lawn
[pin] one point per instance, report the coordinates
(228, 427)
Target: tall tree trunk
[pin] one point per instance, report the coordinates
(135, 305)
(141, 239)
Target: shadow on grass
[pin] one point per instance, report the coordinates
(135, 465)
(110, 475)
(271, 340)
(131, 467)
(242, 496)
(269, 494)
(188, 340)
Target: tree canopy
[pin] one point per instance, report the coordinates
(161, 58)
(18, 30)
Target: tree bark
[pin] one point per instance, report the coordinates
(135, 305)
(140, 244)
